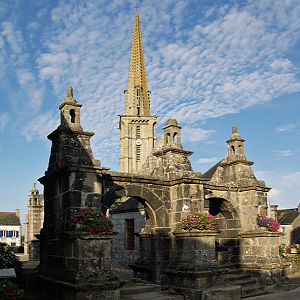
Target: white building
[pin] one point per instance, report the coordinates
(10, 228)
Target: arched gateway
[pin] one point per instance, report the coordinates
(167, 189)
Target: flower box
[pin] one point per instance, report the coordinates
(7, 273)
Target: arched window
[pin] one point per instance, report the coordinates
(232, 149)
(175, 137)
(168, 138)
(72, 116)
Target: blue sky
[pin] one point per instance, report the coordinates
(210, 64)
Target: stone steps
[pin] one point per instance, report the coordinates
(147, 291)
(249, 285)
(254, 290)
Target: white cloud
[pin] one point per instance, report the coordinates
(40, 126)
(276, 195)
(207, 160)
(284, 152)
(288, 127)
(192, 134)
(202, 61)
(3, 121)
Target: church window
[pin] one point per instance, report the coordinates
(175, 137)
(138, 100)
(138, 131)
(138, 152)
(129, 234)
(72, 116)
(168, 138)
(232, 149)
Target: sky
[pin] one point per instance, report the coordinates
(210, 64)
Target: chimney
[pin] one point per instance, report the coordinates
(17, 211)
(299, 207)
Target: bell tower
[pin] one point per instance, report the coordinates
(137, 126)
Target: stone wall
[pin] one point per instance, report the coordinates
(122, 258)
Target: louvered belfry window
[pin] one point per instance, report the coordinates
(129, 234)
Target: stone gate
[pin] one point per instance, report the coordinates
(169, 190)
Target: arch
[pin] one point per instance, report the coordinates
(154, 206)
(72, 116)
(175, 137)
(228, 240)
(232, 149)
(168, 138)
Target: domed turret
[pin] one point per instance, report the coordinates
(34, 190)
(235, 135)
(236, 143)
(172, 121)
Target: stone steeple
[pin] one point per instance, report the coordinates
(137, 126)
(70, 144)
(34, 218)
(168, 159)
(234, 169)
(137, 96)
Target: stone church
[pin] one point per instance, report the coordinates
(155, 188)
(34, 220)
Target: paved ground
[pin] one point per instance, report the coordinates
(294, 282)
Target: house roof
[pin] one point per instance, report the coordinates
(132, 204)
(287, 216)
(9, 218)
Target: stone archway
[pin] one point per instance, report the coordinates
(155, 207)
(153, 239)
(228, 240)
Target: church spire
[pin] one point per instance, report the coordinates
(137, 126)
(137, 96)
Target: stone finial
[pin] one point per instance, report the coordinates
(235, 135)
(70, 92)
(34, 190)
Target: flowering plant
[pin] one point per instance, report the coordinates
(296, 246)
(200, 221)
(9, 260)
(92, 221)
(10, 291)
(269, 223)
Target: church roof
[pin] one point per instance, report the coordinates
(287, 216)
(132, 204)
(9, 218)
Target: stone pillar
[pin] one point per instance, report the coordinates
(85, 271)
(195, 249)
(154, 257)
(34, 250)
(260, 256)
(142, 268)
(193, 264)
(259, 249)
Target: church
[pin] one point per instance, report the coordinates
(155, 189)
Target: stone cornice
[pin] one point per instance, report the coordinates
(65, 129)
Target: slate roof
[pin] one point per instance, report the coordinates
(209, 173)
(287, 216)
(132, 204)
(9, 218)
